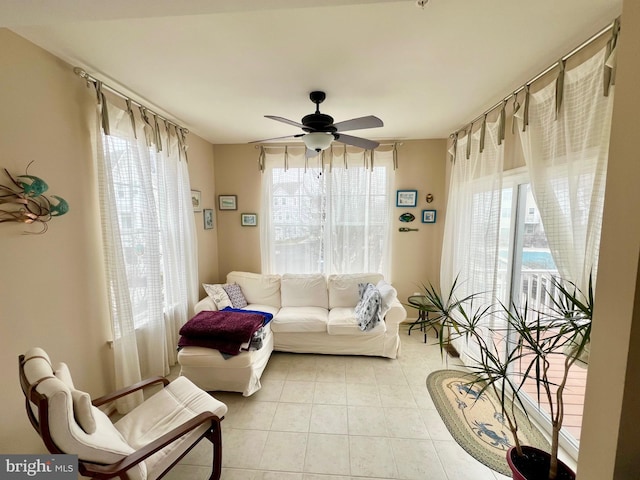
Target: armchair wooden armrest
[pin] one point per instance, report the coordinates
(110, 397)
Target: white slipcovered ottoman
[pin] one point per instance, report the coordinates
(211, 371)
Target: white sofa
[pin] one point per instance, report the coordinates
(312, 314)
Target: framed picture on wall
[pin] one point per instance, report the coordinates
(406, 198)
(248, 219)
(195, 200)
(428, 216)
(227, 202)
(208, 218)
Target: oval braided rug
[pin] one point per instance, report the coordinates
(476, 422)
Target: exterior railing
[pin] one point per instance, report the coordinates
(537, 289)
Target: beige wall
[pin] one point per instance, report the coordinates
(415, 255)
(52, 291)
(237, 174)
(610, 446)
(422, 166)
(52, 285)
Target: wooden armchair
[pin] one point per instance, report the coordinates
(143, 445)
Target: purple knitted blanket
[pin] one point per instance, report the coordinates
(222, 330)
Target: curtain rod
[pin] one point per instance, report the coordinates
(584, 44)
(89, 78)
(302, 145)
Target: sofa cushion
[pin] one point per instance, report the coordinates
(304, 290)
(342, 321)
(262, 308)
(343, 289)
(258, 288)
(300, 319)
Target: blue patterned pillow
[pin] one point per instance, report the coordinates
(368, 308)
(235, 295)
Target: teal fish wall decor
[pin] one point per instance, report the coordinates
(25, 202)
(59, 208)
(34, 188)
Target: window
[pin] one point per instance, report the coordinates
(134, 191)
(326, 219)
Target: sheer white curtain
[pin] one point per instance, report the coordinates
(178, 241)
(470, 246)
(358, 236)
(567, 162)
(149, 240)
(326, 216)
(293, 204)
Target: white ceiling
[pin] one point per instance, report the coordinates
(216, 67)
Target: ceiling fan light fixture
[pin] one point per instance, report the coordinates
(317, 141)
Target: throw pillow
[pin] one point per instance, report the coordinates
(218, 295)
(235, 295)
(82, 411)
(62, 373)
(368, 308)
(82, 408)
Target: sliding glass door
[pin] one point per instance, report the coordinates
(526, 270)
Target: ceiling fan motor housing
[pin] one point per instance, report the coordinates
(318, 122)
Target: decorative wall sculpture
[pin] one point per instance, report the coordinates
(24, 201)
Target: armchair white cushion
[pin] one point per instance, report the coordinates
(54, 414)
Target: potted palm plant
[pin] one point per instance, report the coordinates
(504, 366)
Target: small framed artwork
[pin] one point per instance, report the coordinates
(428, 216)
(406, 198)
(227, 202)
(248, 219)
(208, 218)
(195, 200)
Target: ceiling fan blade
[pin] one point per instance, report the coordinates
(358, 123)
(297, 135)
(356, 141)
(285, 120)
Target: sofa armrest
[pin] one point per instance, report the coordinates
(395, 315)
(206, 303)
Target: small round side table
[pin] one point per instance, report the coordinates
(420, 303)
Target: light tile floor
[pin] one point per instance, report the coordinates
(324, 417)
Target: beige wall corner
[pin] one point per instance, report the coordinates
(201, 176)
(610, 445)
